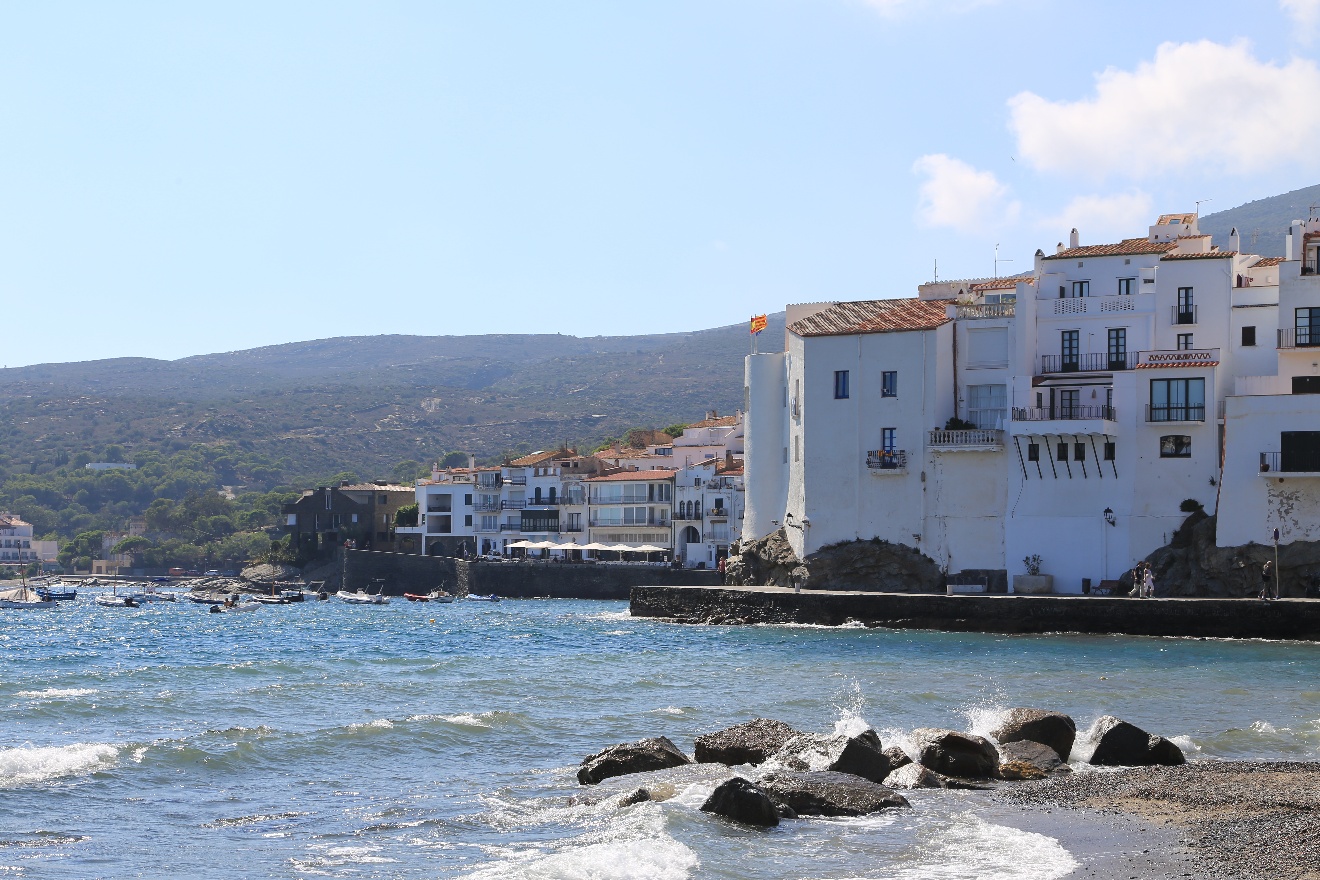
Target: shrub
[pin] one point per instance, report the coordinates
(1189, 505)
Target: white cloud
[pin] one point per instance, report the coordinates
(1106, 218)
(956, 195)
(1202, 105)
(1305, 15)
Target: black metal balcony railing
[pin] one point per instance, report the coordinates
(886, 459)
(438, 509)
(1175, 413)
(543, 502)
(1086, 363)
(576, 527)
(486, 505)
(1183, 314)
(1308, 267)
(1306, 462)
(512, 505)
(516, 481)
(1299, 337)
(1061, 412)
(511, 527)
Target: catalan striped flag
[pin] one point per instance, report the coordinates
(758, 324)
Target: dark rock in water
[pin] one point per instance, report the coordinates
(742, 801)
(897, 758)
(1054, 729)
(830, 794)
(859, 755)
(872, 566)
(916, 776)
(748, 743)
(635, 757)
(639, 796)
(1044, 758)
(1114, 742)
(956, 754)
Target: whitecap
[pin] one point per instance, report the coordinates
(973, 847)
(378, 724)
(30, 764)
(669, 710)
(58, 693)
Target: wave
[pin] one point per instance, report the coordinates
(973, 847)
(28, 765)
(494, 718)
(57, 693)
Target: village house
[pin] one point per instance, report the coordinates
(361, 513)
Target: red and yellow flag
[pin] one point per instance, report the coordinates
(758, 324)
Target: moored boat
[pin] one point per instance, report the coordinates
(473, 597)
(361, 598)
(433, 596)
(24, 597)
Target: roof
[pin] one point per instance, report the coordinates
(632, 476)
(540, 456)
(372, 487)
(12, 520)
(721, 422)
(735, 471)
(1267, 262)
(1126, 247)
(1009, 283)
(1211, 255)
(873, 316)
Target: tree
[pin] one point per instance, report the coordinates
(135, 546)
(406, 515)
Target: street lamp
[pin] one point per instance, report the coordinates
(1104, 543)
(1109, 517)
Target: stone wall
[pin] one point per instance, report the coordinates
(1210, 618)
(407, 573)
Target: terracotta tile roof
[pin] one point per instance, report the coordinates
(635, 476)
(1212, 255)
(721, 422)
(1267, 262)
(1176, 366)
(1126, 247)
(872, 316)
(1200, 235)
(11, 520)
(1009, 283)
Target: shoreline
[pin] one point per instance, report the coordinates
(1203, 819)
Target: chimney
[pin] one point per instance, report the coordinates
(435, 472)
(1235, 241)
(472, 461)
(1074, 240)
(1040, 257)
(1058, 249)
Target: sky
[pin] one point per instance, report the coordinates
(186, 178)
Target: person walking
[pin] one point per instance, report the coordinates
(1267, 581)
(1148, 583)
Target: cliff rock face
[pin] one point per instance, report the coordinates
(1191, 564)
(852, 565)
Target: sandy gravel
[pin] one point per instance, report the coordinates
(1235, 819)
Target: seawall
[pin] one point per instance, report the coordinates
(400, 573)
(1208, 618)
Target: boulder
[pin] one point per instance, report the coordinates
(634, 757)
(897, 758)
(748, 743)
(1019, 770)
(1114, 742)
(825, 793)
(860, 755)
(637, 796)
(742, 801)
(965, 755)
(1054, 729)
(1025, 752)
(916, 776)
(868, 565)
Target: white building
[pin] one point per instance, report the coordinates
(16, 544)
(708, 508)
(631, 507)
(1069, 413)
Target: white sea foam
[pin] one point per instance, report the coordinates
(58, 693)
(669, 710)
(32, 764)
(1187, 744)
(378, 724)
(983, 719)
(973, 847)
(1264, 727)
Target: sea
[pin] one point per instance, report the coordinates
(442, 741)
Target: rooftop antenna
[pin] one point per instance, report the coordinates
(998, 260)
(937, 270)
(1198, 206)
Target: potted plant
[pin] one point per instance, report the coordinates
(1033, 582)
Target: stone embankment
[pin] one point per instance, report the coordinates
(1207, 618)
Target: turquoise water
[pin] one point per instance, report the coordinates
(441, 741)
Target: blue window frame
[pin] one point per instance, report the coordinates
(840, 384)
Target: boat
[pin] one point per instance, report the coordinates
(474, 597)
(57, 591)
(433, 596)
(361, 598)
(236, 603)
(24, 597)
(116, 601)
(207, 598)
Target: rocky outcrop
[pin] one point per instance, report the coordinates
(748, 743)
(742, 801)
(860, 755)
(1024, 752)
(830, 794)
(1191, 564)
(965, 755)
(634, 757)
(873, 565)
(1054, 729)
(1114, 742)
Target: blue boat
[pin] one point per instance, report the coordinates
(57, 592)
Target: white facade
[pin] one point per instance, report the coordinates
(708, 507)
(16, 544)
(1088, 402)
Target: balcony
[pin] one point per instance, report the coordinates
(544, 502)
(1299, 337)
(1175, 413)
(649, 524)
(512, 505)
(1182, 315)
(1062, 419)
(1273, 464)
(577, 527)
(986, 310)
(887, 461)
(516, 481)
(1087, 363)
(975, 440)
(487, 506)
(1183, 357)
(438, 509)
(510, 527)
(1102, 305)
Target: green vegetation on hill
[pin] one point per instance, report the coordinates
(1263, 223)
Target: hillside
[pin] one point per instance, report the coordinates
(1262, 223)
(366, 403)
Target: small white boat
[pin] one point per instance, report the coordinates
(434, 596)
(361, 598)
(114, 600)
(473, 597)
(24, 597)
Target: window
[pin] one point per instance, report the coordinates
(889, 439)
(840, 384)
(889, 383)
(1070, 348)
(1118, 348)
(1184, 342)
(1176, 446)
(1186, 311)
(1110, 450)
(384, 499)
(1033, 452)
(1062, 452)
(987, 405)
(1069, 405)
(467, 520)
(1307, 322)
(1248, 336)
(1063, 291)
(1177, 400)
(467, 500)
(1125, 286)
(1079, 452)
(1299, 451)
(1081, 288)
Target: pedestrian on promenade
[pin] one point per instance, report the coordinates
(1148, 583)
(1266, 580)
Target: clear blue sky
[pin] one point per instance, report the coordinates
(180, 178)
